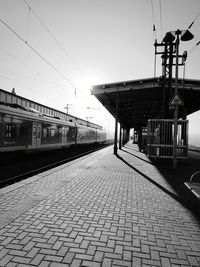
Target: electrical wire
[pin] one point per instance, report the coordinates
(28, 25)
(29, 68)
(18, 60)
(61, 47)
(161, 30)
(43, 58)
(193, 48)
(194, 20)
(54, 38)
(25, 87)
(154, 36)
(153, 18)
(190, 26)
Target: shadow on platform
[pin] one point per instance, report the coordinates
(175, 178)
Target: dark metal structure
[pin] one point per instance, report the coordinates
(133, 103)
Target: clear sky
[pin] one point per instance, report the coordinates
(88, 42)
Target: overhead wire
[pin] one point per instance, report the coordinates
(54, 38)
(43, 58)
(21, 85)
(153, 18)
(20, 61)
(28, 67)
(193, 48)
(154, 35)
(194, 20)
(190, 26)
(161, 26)
(61, 47)
(28, 25)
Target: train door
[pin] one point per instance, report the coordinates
(36, 135)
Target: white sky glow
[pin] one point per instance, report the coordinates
(93, 42)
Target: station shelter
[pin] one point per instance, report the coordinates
(148, 107)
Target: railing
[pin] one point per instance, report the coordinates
(160, 135)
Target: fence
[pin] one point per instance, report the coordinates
(160, 138)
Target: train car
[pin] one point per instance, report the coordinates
(86, 135)
(27, 129)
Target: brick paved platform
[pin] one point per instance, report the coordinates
(100, 210)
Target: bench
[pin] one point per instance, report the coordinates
(194, 184)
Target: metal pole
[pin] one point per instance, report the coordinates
(116, 124)
(176, 106)
(120, 137)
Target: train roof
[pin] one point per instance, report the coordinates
(30, 113)
(24, 103)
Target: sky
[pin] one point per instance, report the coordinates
(53, 51)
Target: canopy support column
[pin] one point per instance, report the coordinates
(116, 123)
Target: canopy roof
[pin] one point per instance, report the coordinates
(140, 100)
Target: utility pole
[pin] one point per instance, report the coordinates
(167, 63)
(178, 32)
(67, 109)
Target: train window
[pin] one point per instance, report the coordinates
(38, 132)
(53, 132)
(34, 132)
(11, 131)
(44, 133)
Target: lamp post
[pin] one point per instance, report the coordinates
(176, 106)
(171, 46)
(185, 36)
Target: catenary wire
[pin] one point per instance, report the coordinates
(161, 26)
(54, 38)
(43, 58)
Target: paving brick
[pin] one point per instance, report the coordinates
(17, 253)
(118, 249)
(83, 257)
(69, 257)
(37, 259)
(90, 264)
(107, 262)
(48, 251)
(107, 214)
(91, 250)
(98, 256)
(32, 253)
(56, 264)
(12, 264)
(113, 256)
(6, 241)
(75, 263)
(6, 259)
(44, 264)
(22, 260)
(121, 263)
(53, 258)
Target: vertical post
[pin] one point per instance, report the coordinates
(120, 137)
(175, 106)
(116, 123)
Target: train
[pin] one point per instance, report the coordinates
(26, 129)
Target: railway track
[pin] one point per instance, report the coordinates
(25, 166)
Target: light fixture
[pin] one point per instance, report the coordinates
(186, 35)
(169, 38)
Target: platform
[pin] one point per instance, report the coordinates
(100, 210)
